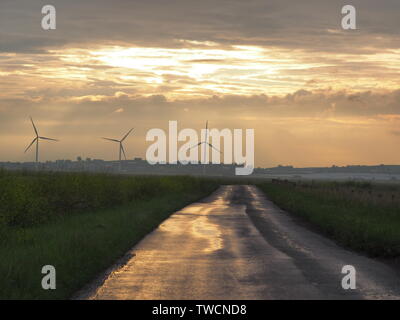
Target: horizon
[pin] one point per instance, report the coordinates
(75, 159)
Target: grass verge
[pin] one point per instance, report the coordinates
(355, 221)
(82, 244)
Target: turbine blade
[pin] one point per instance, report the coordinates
(123, 151)
(111, 139)
(126, 135)
(33, 141)
(44, 138)
(34, 127)
(213, 147)
(195, 145)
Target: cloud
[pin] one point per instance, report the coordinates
(382, 106)
(282, 23)
(395, 132)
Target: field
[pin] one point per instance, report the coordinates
(82, 223)
(79, 223)
(362, 216)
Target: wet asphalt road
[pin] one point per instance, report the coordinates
(236, 244)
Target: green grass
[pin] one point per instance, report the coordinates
(32, 198)
(364, 217)
(81, 242)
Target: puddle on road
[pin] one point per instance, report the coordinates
(199, 226)
(203, 228)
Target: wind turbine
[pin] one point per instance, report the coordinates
(121, 147)
(37, 138)
(205, 148)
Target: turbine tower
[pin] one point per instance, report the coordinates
(205, 148)
(121, 147)
(37, 138)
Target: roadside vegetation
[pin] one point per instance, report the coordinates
(362, 216)
(79, 223)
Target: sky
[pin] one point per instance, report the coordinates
(315, 94)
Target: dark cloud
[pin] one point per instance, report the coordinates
(302, 103)
(310, 24)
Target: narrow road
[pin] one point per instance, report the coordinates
(236, 244)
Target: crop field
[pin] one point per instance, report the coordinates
(79, 223)
(29, 198)
(82, 223)
(360, 215)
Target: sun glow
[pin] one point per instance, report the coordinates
(201, 69)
